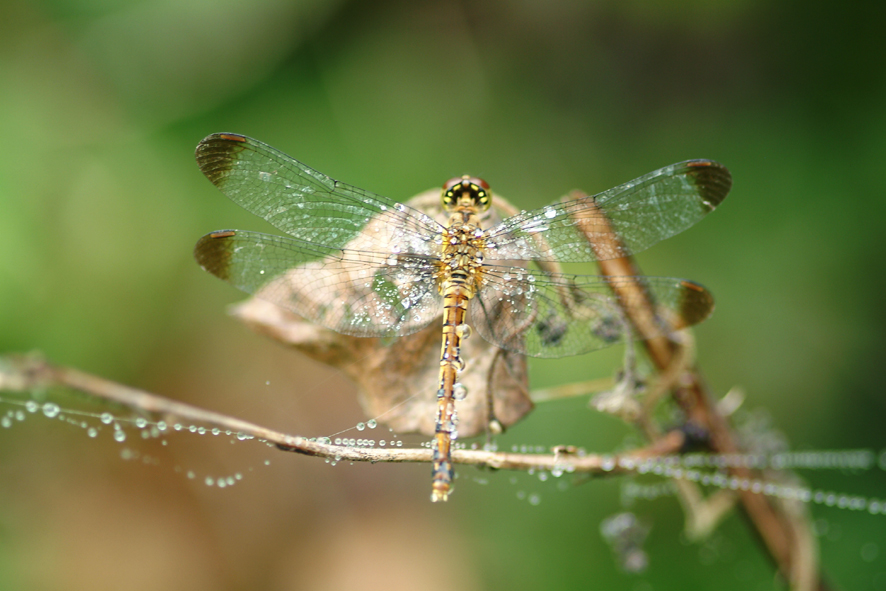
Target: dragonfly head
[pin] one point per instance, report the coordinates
(466, 192)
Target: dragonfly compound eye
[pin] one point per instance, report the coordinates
(467, 191)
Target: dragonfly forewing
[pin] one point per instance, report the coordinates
(308, 204)
(630, 217)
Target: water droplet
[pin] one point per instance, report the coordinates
(361, 426)
(372, 423)
(51, 410)
(92, 432)
(463, 330)
(31, 406)
(208, 480)
(534, 499)
(459, 391)
(6, 422)
(120, 435)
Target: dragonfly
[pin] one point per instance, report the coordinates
(369, 266)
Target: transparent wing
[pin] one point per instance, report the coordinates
(352, 292)
(308, 204)
(617, 222)
(556, 315)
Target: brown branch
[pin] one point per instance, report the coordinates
(785, 534)
(27, 373)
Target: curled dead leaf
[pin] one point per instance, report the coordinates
(397, 378)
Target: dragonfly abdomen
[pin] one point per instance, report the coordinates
(455, 307)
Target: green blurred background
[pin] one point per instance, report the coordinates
(101, 106)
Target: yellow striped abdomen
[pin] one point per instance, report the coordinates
(455, 307)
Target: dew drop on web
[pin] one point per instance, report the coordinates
(51, 410)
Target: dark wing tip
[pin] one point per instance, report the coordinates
(696, 304)
(216, 153)
(213, 253)
(712, 179)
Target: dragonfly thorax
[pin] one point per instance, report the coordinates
(461, 259)
(466, 192)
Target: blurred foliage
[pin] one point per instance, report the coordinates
(102, 103)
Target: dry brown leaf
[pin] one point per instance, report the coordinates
(398, 378)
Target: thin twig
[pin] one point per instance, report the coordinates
(572, 390)
(27, 373)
